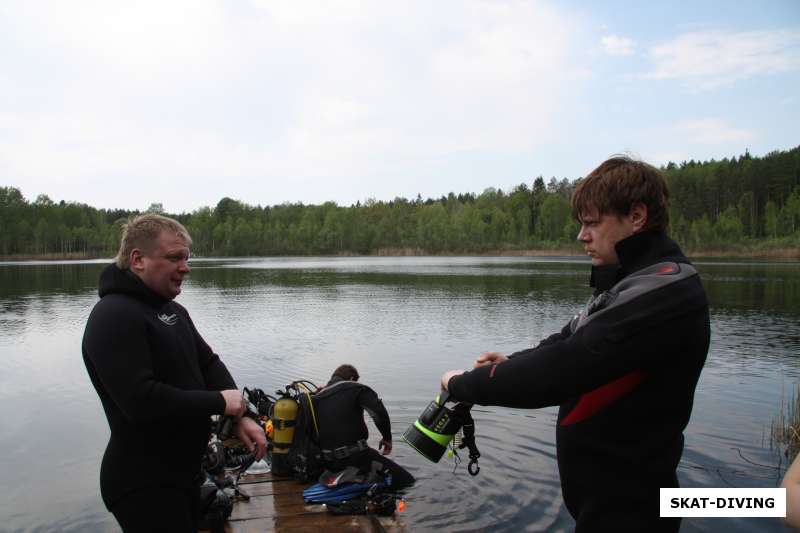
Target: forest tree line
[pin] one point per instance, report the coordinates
(740, 203)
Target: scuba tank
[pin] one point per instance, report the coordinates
(434, 430)
(289, 427)
(284, 420)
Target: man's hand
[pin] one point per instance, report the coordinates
(252, 436)
(385, 446)
(234, 403)
(449, 374)
(490, 358)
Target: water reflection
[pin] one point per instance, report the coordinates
(773, 287)
(401, 321)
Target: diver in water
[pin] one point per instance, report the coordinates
(340, 407)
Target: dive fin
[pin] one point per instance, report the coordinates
(322, 494)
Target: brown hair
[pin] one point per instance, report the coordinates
(142, 232)
(617, 184)
(346, 372)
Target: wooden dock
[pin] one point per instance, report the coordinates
(276, 504)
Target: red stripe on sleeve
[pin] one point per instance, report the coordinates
(593, 401)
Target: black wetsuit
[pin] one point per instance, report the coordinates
(157, 381)
(624, 382)
(340, 410)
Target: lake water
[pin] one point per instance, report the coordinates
(401, 322)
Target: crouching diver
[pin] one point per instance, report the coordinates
(340, 407)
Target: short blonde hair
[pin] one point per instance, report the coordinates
(142, 232)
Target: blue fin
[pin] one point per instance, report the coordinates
(321, 494)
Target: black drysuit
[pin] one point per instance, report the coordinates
(624, 381)
(157, 380)
(340, 410)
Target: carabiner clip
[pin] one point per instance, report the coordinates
(473, 463)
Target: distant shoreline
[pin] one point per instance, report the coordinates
(772, 253)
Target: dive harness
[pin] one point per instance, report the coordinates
(343, 452)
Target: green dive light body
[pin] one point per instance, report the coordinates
(431, 433)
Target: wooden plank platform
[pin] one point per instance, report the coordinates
(276, 504)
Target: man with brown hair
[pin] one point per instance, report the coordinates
(623, 371)
(158, 381)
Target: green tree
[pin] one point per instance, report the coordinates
(771, 219)
(41, 235)
(728, 228)
(555, 214)
(714, 203)
(156, 208)
(789, 216)
(702, 233)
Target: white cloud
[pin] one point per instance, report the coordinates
(262, 94)
(712, 131)
(706, 60)
(617, 46)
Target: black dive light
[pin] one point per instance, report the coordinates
(436, 427)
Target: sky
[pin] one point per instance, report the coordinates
(124, 104)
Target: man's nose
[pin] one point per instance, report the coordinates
(583, 234)
(184, 266)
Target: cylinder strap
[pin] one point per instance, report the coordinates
(313, 414)
(282, 423)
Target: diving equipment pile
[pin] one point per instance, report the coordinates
(295, 432)
(290, 422)
(220, 489)
(224, 466)
(291, 427)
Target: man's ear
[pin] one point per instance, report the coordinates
(137, 260)
(638, 216)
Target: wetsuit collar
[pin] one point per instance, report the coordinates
(336, 380)
(604, 277)
(334, 385)
(115, 280)
(634, 253)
